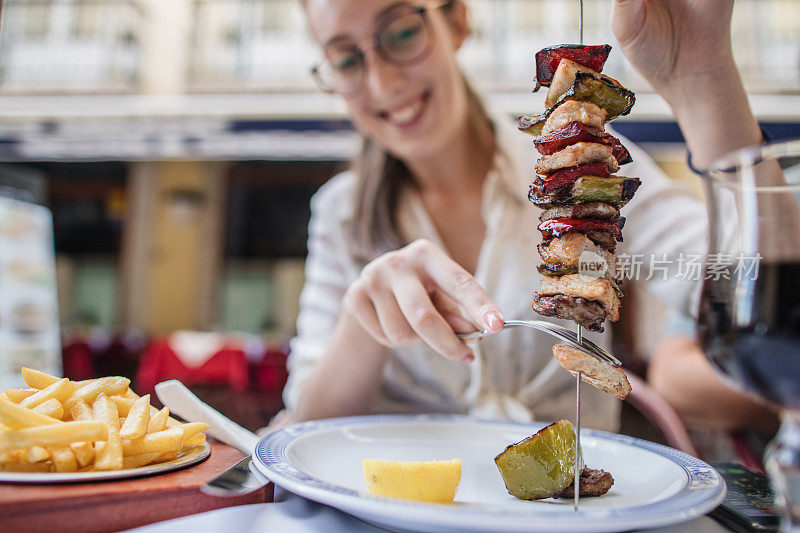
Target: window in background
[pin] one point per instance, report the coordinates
(266, 234)
(87, 19)
(93, 298)
(36, 19)
(247, 299)
(89, 207)
(57, 46)
(270, 47)
(264, 45)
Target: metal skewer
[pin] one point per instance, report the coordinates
(579, 376)
(577, 481)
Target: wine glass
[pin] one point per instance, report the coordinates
(749, 320)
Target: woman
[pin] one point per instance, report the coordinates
(434, 216)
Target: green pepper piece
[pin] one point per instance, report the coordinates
(598, 89)
(557, 269)
(614, 190)
(602, 91)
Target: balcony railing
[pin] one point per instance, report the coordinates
(60, 46)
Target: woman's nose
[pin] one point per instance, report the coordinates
(382, 76)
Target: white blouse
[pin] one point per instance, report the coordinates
(514, 375)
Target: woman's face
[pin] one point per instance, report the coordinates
(413, 110)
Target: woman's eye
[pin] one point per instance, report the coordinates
(403, 36)
(345, 63)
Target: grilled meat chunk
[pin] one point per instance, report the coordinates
(590, 315)
(575, 111)
(592, 483)
(603, 239)
(581, 153)
(576, 132)
(607, 378)
(594, 289)
(567, 251)
(563, 78)
(597, 210)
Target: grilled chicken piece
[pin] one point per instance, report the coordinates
(590, 315)
(563, 79)
(607, 378)
(598, 210)
(581, 153)
(567, 251)
(575, 111)
(594, 289)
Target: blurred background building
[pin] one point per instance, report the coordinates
(180, 140)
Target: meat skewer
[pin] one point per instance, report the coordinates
(576, 188)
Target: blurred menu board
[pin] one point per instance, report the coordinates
(29, 333)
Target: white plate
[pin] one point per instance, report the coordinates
(186, 457)
(321, 460)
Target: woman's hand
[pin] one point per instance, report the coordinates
(683, 49)
(414, 294)
(668, 41)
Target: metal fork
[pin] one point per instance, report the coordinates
(555, 330)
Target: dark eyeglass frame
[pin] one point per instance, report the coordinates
(376, 44)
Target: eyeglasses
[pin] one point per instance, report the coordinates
(403, 38)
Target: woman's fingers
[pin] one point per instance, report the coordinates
(459, 284)
(417, 293)
(359, 305)
(416, 305)
(627, 19)
(395, 327)
(451, 312)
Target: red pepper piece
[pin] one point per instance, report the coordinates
(576, 132)
(556, 227)
(547, 59)
(561, 178)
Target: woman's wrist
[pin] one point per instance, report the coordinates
(713, 112)
(693, 87)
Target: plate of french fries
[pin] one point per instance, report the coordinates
(59, 431)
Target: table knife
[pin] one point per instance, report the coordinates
(241, 478)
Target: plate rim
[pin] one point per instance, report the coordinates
(194, 455)
(704, 490)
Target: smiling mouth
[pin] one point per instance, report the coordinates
(408, 113)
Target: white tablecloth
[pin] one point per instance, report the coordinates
(291, 513)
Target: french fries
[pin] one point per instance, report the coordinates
(108, 454)
(15, 417)
(135, 425)
(60, 390)
(51, 408)
(58, 425)
(61, 434)
(17, 395)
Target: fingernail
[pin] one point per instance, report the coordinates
(468, 358)
(493, 321)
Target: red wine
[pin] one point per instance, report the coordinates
(750, 330)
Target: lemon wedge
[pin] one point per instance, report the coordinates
(426, 481)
